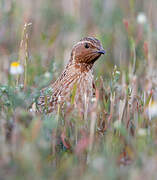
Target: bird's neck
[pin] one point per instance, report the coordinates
(79, 65)
(84, 67)
(75, 70)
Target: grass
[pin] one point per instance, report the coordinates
(119, 134)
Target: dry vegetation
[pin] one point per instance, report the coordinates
(119, 135)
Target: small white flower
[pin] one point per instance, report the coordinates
(142, 132)
(93, 99)
(59, 98)
(98, 163)
(152, 110)
(16, 68)
(47, 74)
(118, 72)
(117, 124)
(141, 18)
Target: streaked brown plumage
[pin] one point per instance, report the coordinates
(77, 76)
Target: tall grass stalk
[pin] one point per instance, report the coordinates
(24, 55)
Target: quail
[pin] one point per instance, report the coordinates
(75, 81)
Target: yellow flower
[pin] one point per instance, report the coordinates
(16, 68)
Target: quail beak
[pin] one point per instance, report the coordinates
(101, 51)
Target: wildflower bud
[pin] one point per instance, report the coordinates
(117, 124)
(7, 103)
(145, 47)
(59, 98)
(3, 89)
(21, 86)
(126, 24)
(47, 74)
(142, 132)
(117, 72)
(151, 110)
(141, 18)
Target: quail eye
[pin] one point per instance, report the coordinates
(86, 45)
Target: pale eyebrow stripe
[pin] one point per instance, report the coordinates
(82, 42)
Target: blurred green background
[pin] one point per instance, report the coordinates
(57, 25)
